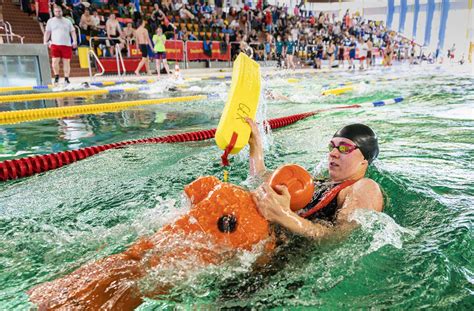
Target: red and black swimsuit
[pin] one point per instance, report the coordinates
(323, 205)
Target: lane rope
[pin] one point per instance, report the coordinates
(28, 166)
(51, 95)
(10, 117)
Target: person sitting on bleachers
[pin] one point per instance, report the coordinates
(87, 24)
(128, 32)
(114, 34)
(98, 20)
(135, 10)
(77, 8)
(122, 10)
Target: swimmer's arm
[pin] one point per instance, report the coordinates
(276, 208)
(256, 157)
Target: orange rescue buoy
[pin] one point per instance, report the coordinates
(299, 183)
(222, 220)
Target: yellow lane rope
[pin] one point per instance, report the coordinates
(40, 96)
(10, 117)
(337, 91)
(50, 86)
(24, 88)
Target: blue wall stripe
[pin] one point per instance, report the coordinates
(403, 15)
(442, 24)
(429, 21)
(415, 17)
(390, 10)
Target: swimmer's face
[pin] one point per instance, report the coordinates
(343, 166)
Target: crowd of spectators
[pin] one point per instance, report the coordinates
(265, 32)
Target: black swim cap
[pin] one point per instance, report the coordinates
(363, 137)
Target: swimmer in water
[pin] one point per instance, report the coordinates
(351, 150)
(273, 95)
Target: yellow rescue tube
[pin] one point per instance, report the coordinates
(338, 91)
(241, 103)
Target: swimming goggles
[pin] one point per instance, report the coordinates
(343, 148)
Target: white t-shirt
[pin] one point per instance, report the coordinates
(294, 34)
(363, 48)
(60, 31)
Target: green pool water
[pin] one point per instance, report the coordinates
(418, 254)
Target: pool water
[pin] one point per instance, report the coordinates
(418, 254)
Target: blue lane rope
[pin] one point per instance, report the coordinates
(381, 103)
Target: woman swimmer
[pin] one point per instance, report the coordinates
(351, 150)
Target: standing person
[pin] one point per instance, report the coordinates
(136, 9)
(388, 54)
(43, 12)
(279, 51)
(412, 53)
(268, 45)
(330, 53)
(370, 46)
(143, 41)
(159, 40)
(363, 48)
(340, 53)
(290, 50)
(352, 53)
(114, 33)
(60, 31)
(452, 49)
(319, 53)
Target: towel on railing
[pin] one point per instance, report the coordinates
(207, 47)
(223, 47)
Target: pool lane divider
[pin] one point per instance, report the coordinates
(24, 88)
(24, 167)
(10, 117)
(50, 86)
(28, 166)
(338, 90)
(82, 93)
(387, 102)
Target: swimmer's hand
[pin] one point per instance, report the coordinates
(255, 140)
(257, 164)
(273, 206)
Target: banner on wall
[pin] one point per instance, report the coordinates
(403, 15)
(195, 51)
(429, 21)
(174, 50)
(390, 11)
(442, 25)
(415, 17)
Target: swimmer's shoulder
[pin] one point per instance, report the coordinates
(364, 190)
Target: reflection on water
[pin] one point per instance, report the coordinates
(80, 131)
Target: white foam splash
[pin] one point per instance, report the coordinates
(195, 88)
(383, 229)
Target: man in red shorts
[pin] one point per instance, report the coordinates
(60, 30)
